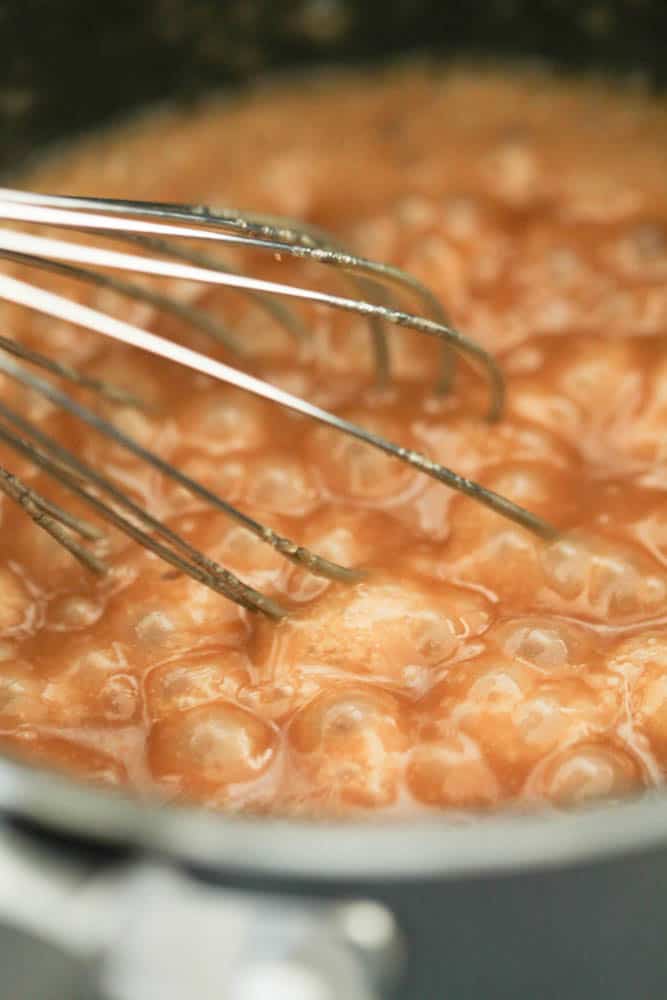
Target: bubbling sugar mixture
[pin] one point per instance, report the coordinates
(473, 666)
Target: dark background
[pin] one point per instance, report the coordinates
(66, 65)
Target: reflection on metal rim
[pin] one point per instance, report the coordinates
(370, 850)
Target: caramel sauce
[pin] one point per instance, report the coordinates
(474, 665)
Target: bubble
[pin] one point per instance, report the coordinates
(513, 173)
(535, 485)
(358, 471)
(602, 579)
(162, 610)
(452, 773)
(141, 378)
(280, 484)
(279, 699)
(543, 642)
(461, 217)
(468, 445)
(645, 652)
(185, 683)
(585, 772)
(119, 697)
(199, 611)
(210, 747)
(642, 663)
(96, 688)
(652, 705)
(642, 436)
(352, 537)
(395, 630)
(562, 711)
(640, 252)
(154, 627)
(488, 549)
(439, 265)
(546, 407)
(253, 560)
(565, 567)
(67, 756)
(596, 374)
(72, 612)
(499, 556)
(17, 607)
(21, 690)
(349, 742)
(223, 476)
(142, 427)
(7, 651)
(592, 393)
(514, 714)
(594, 198)
(219, 421)
(618, 586)
(415, 210)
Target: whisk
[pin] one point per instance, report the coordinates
(156, 229)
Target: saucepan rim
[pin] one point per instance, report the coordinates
(432, 847)
(353, 849)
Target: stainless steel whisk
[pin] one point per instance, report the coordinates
(155, 228)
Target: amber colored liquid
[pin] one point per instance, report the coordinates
(474, 665)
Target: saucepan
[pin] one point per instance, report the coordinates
(102, 895)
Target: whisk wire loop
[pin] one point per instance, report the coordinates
(134, 222)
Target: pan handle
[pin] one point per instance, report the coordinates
(145, 929)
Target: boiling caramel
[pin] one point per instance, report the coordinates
(473, 665)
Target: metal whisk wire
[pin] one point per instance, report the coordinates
(135, 222)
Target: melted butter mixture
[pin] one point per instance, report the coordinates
(474, 665)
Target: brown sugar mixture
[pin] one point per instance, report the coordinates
(474, 665)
